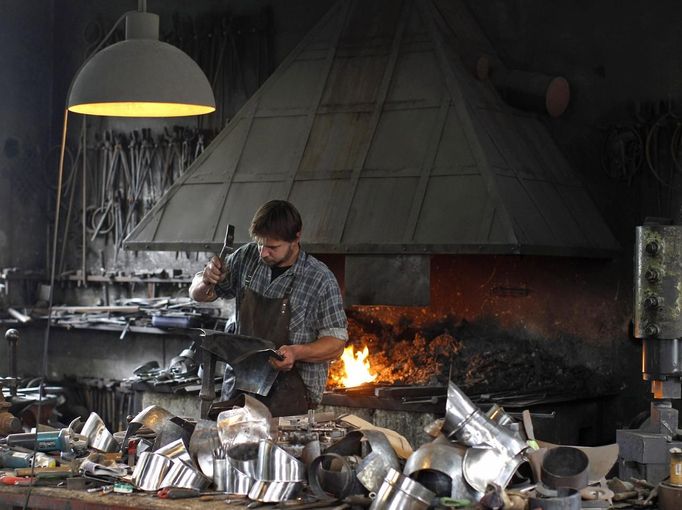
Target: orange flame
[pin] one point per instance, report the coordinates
(357, 367)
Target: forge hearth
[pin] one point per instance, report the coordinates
(414, 347)
(414, 352)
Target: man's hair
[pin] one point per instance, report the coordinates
(277, 219)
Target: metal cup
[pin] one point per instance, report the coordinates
(220, 467)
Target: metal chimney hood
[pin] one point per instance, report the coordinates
(376, 131)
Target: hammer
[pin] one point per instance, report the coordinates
(227, 247)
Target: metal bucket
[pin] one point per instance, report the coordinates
(565, 467)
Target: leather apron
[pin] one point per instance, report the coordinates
(269, 318)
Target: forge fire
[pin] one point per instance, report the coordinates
(385, 354)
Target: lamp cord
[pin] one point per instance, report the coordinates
(53, 267)
(142, 6)
(109, 34)
(46, 339)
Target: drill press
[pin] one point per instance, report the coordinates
(644, 452)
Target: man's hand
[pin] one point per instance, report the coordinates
(323, 349)
(213, 272)
(289, 354)
(203, 285)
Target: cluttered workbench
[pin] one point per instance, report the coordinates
(245, 458)
(56, 498)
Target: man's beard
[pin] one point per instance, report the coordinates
(270, 262)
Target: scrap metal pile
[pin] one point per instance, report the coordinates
(245, 457)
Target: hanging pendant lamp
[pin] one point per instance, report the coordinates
(141, 77)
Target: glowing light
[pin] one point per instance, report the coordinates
(141, 109)
(357, 367)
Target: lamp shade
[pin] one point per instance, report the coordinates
(141, 77)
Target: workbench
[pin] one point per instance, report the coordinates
(55, 498)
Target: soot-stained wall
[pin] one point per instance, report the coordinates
(25, 91)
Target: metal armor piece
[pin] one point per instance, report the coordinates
(244, 457)
(98, 436)
(399, 492)
(374, 466)
(442, 457)
(184, 476)
(378, 456)
(176, 451)
(167, 426)
(228, 478)
(274, 492)
(203, 443)
(150, 470)
(275, 464)
(465, 423)
(482, 466)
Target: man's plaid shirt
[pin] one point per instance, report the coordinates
(316, 304)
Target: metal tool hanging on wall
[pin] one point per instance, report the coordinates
(122, 177)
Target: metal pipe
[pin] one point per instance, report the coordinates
(533, 91)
